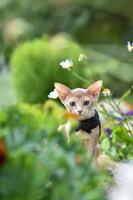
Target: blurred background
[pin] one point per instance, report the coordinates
(35, 36)
(36, 162)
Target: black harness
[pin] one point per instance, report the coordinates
(88, 124)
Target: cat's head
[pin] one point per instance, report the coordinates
(79, 101)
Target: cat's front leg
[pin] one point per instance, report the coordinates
(93, 143)
(66, 129)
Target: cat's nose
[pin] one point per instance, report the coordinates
(80, 111)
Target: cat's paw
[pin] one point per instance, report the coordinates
(65, 127)
(78, 133)
(61, 128)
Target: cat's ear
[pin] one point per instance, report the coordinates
(62, 90)
(94, 90)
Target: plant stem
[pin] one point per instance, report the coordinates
(79, 77)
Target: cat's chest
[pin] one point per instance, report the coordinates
(88, 125)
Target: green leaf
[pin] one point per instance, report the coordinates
(105, 144)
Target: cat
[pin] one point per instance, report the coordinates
(81, 102)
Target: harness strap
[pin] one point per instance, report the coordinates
(88, 124)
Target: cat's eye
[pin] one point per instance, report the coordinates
(86, 103)
(72, 103)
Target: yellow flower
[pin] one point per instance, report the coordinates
(82, 57)
(106, 92)
(71, 116)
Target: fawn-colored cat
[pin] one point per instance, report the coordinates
(81, 102)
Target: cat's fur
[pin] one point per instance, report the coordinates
(81, 102)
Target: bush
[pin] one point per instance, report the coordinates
(117, 141)
(119, 146)
(35, 67)
(35, 166)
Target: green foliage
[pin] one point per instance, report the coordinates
(23, 115)
(35, 67)
(39, 167)
(53, 115)
(120, 146)
(22, 132)
(118, 140)
(80, 19)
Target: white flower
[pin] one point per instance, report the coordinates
(53, 94)
(82, 57)
(67, 64)
(106, 92)
(129, 46)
